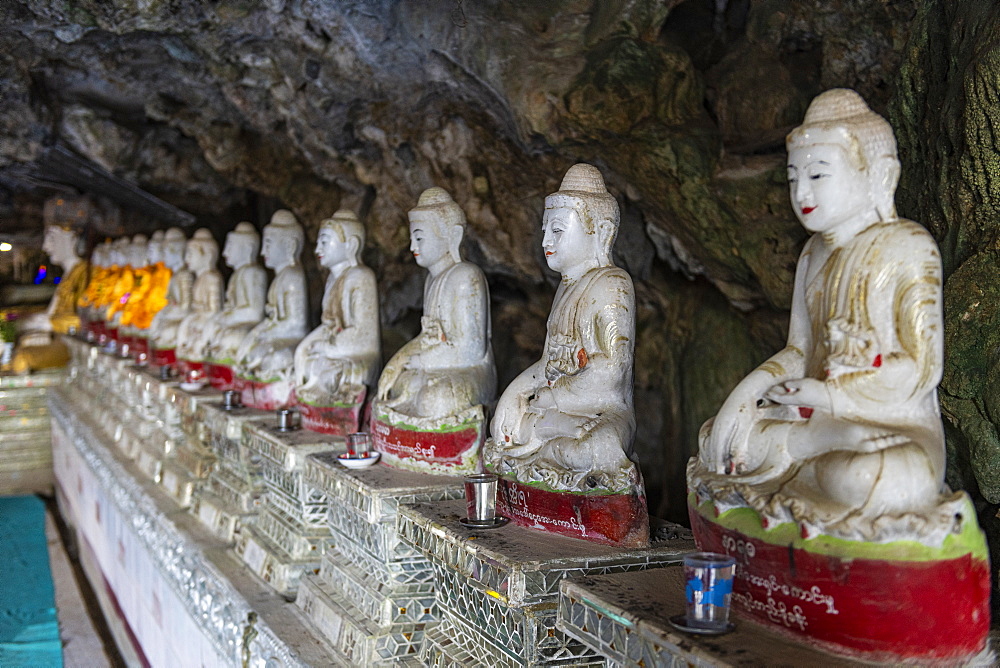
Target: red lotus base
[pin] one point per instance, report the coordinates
(265, 396)
(335, 420)
(612, 519)
(220, 376)
(164, 357)
(448, 451)
(875, 609)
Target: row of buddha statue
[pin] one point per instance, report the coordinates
(837, 431)
(838, 435)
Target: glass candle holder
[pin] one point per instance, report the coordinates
(708, 588)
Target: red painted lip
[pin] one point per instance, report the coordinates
(808, 209)
(548, 253)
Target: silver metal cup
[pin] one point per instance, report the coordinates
(359, 445)
(231, 400)
(287, 419)
(481, 498)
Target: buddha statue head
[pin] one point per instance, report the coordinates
(174, 245)
(437, 225)
(580, 222)
(202, 252)
(283, 240)
(842, 164)
(60, 244)
(341, 239)
(242, 245)
(137, 251)
(119, 251)
(154, 249)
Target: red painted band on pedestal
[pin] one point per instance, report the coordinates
(265, 396)
(612, 519)
(220, 376)
(873, 609)
(184, 366)
(140, 346)
(444, 448)
(335, 420)
(112, 332)
(164, 356)
(125, 340)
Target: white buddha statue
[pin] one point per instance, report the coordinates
(163, 331)
(338, 362)
(841, 430)
(266, 355)
(246, 294)
(430, 408)
(60, 244)
(567, 421)
(449, 366)
(206, 295)
(132, 282)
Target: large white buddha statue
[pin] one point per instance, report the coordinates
(206, 296)
(446, 375)
(841, 428)
(266, 355)
(567, 421)
(36, 349)
(60, 244)
(246, 294)
(337, 364)
(163, 330)
(823, 472)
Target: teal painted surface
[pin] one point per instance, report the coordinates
(29, 631)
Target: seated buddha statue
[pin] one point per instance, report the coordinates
(163, 330)
(337, 364)
(119, 281)
(206, 296)
(246, 293)
(136, 254)
(566, 424)
(266, 355)
(100, 264)
(41, 352)
(60, 244)
(154, 295)
(446, 375)
(841, 428)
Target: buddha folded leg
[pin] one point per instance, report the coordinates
(573, 452)
(437, 392)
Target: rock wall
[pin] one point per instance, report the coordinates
(230, 109)
(945, 113)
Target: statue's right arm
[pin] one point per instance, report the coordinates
(727, 443)
(514, 399)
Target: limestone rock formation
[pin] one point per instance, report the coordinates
(232, 109)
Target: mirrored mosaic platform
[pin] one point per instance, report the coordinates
(229, 500)
(290, 534)
(179, 593)
(26, 442)
(625, 618)
(373, 598)
(498, 589)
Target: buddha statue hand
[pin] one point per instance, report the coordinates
(431, 332)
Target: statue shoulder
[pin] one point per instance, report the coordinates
(906, 240)
(360, 276)
(465, 277)
(612, 280)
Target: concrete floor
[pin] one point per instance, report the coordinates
(86, 643)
